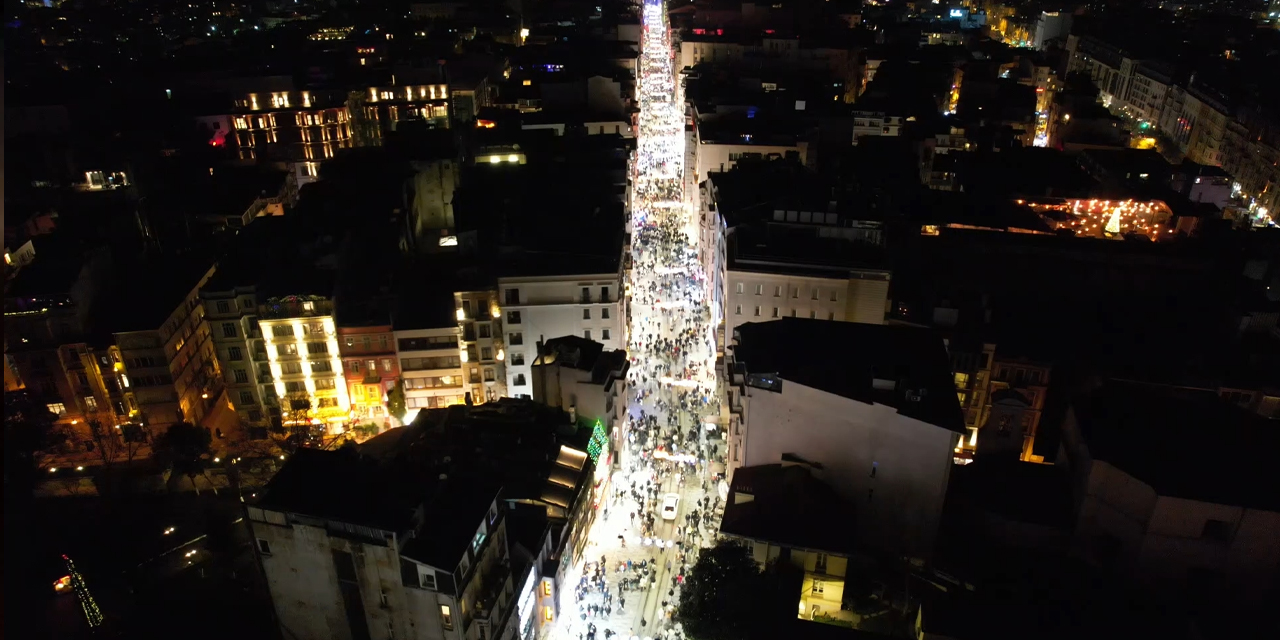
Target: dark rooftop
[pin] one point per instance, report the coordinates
(774, 248)
(449, 463)
(864, 362)
(1020, 491)
(786, 505)
(1198, 448)
(584, 355)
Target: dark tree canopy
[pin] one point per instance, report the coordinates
(728, 597)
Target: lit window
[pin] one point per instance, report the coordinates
(546, 587)
(446, 616)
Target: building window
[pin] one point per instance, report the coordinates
(516, 339)
(91, 403)
(426, 578)
(775, 312)
(793, 313)
(604, 334)
(246, 397)
(235, 353)
(57, 408)
(520, 380)
(759, 289)
(757, 314)
(586, 295)
(486, 354)
(512, 296)
(604, 313)
(831, 315)
(739, 288)
(513, 317)
(290, 349)
(386, 365)
(242, 376)
(286, 331)
(489, 375)
(316, 348)
(483, 330)
(223, 307)
(264, 547)
(834, 294)
(795, 293)
(737, 310)
(777, 291)
(815, 293)
(517, 359)
(228, 329)
(818, 587)
(446, 616)
(586, 333)
(604, 294)
(586, 314)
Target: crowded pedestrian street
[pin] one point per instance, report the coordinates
(665, 492)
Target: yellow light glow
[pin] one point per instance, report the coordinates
(464, 357)
(501, 355)
(460, 315)
(495, 159)
(527, 83)
(524, 33)
(513, 158)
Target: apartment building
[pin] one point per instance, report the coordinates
(232, 314)
(873, 406)
(1178, 508)
(371, 368)
(430, 368)
(538, 308)
(300, 339)
(310, 125)
(168, 356)
(790, 271)
(412, 537)
(581, 377)
(480, 325)
(781, 512)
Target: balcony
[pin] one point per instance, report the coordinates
(493, 599)
(294, 307)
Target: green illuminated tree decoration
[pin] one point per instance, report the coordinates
(597, 442)
(90, 606)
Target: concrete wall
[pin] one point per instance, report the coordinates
(899, 508)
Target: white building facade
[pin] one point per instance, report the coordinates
(538, 308)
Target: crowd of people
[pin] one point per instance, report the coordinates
(664, 497)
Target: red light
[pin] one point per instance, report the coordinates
(699, 32)
(719, 32)
(769, 31)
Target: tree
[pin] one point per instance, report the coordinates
(719, 600)
(184, 447)
(395, 401)
(113, 442)
(29, 429)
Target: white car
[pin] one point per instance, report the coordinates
(670, 506)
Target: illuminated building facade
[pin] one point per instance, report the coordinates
(300, 341)
(483, 350)
(430, 369)
(1107, 218)
(308, 126)
(371, 369)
